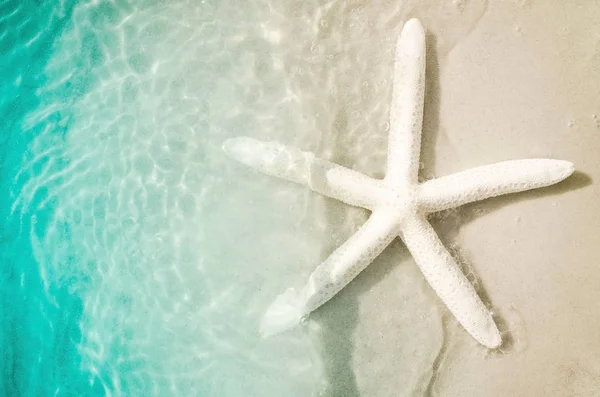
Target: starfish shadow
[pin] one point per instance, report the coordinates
(338, 319)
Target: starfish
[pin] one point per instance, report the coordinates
(399, 204)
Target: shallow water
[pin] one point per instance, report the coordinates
(140, 259)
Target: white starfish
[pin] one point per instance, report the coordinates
(399, 204)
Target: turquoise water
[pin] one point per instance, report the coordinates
(39, 336)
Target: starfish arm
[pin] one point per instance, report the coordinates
(406, 112)
(448, 281)
(304, 168)
(490, 181)
(343, 265)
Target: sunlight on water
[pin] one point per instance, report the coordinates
(156, 255)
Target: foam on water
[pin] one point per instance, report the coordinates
(147, 258)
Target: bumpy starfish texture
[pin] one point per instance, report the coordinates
(399, 204)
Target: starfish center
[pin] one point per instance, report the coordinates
(399, 200)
